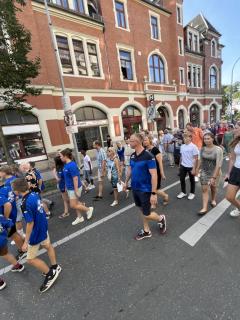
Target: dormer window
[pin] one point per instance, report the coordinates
(193, 41)
(213, 48)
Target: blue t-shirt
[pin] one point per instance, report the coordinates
(140, 165)
(33, 211)
(39, 177)
(3, 201)
(120, 153)
(61, 182)
(5, 224)
(71, 170)
(6, 191)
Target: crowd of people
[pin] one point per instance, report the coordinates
(135, 166)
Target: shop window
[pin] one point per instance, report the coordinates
(89, 113)
(14, 117)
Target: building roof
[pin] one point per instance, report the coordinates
(202, 25)
(157, 4)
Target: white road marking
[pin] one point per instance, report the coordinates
(87, 228)
(192, 235)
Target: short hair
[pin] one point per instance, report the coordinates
(32, 164)
(20, 185)
(67, 153)
(7, 170)
(138, 136)
(97, 143)
(187, 135)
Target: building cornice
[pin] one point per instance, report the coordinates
(155, 7)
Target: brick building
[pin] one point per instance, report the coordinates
(115, 54)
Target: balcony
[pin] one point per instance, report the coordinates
(92, 14)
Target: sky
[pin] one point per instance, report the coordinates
(224, 15)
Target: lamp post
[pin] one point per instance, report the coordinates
(65, 98)
(231, 92)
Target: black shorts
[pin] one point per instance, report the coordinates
(234, 178)
(12, 231)
(142, 200)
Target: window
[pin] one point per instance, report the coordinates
(196, 43)
(180, 46)
(62, 3)
(93, 58)
(190, 41)
(195, 115)
(78, 5)
(154, 28)
(194, 76)
(126, 65)
(89, 113)
(64, 54)
(120, 15)
(213, 48)
(189, 76)
(179, 14)
(181, 119)
(213, 78)
(13, 117)
(199, 80)
(80, 57)
(157, 71)
(182, 75)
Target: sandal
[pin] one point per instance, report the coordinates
(213, 204)
(64, 215)
(166, 201)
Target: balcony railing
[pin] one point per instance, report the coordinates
(92, 16)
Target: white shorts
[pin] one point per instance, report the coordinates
(72, 195)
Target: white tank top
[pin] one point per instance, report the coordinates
(237, 152)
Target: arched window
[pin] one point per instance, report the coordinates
(213, 78)
(181, 119)
(195, 115)
(132, 120)
(213, 113)
(156, 69)
(89, 113)
(213, 48)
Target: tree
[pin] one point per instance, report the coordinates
(226, 92)
(16, 68)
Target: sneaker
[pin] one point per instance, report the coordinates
(21, 255)
(91, 186)
(115, 203)
(77, 220)
(196, 179)
(49, 280)
(89, 213)
(58, 268)
(162, 224)
(2, 284)
(97, 198)
(17, 268)
(181, 195)
(191, 196)
(143, 234)
(235, 213)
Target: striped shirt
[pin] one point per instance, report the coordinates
(101, 156)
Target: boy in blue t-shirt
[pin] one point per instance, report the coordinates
(36, 233)
(5, 225)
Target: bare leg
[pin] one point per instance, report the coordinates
(205, 198)
(10, 258)
(213, 194)
(231, 195)
(152, 217)
(18, 240)
(39, 264)
(65, 202)
(115, 192)
(45, 207)
(51, 253)
(100, 188)
(164, 195)
(78, 206)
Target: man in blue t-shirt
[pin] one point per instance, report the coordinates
(143, 174)
(36, 233)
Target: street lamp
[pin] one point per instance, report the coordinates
(231, 92)
(65, 98)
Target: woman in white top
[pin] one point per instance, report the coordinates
(233, 176)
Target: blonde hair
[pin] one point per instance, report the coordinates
(111, 149)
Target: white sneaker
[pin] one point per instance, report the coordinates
(235, 213)
(181, 195)
(191, 196)
(91, 186)
(89, 213)
(196, 179)
(77, 220)
(115, 203)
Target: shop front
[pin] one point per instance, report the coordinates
(92, 125)
(132, 120)
(23, 137)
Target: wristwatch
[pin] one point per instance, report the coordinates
(153, 193)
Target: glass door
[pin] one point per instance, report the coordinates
(103, 134)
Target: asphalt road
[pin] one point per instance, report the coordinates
(108, 275)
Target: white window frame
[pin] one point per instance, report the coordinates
(155, 15)
(217, 75)
(180, 39)
(124, 2)
(85, 39)
(181, 14)
(216, 50)
(184, 80)
(194, 33)
(197, 66)
(70, 4)
(124, 47)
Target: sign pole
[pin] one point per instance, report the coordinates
(65, 99)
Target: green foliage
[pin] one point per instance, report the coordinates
(16, 68)
(226, 91)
